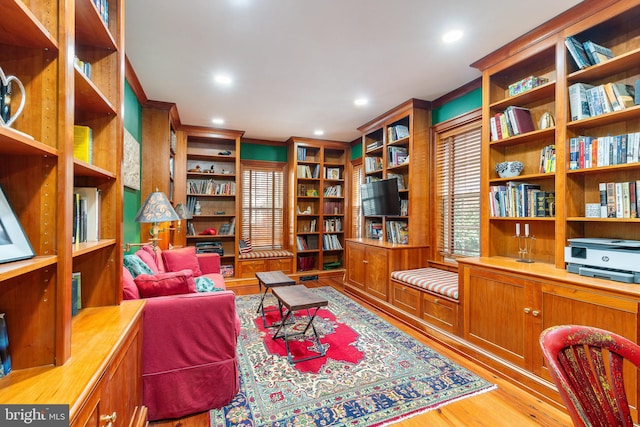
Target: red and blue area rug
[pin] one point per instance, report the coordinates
(373, 374)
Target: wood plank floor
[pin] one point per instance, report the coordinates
(506, 406)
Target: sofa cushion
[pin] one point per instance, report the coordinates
(156, 255)
(163, 284)
(129, 288)
(266, 254)
(136, 266)
(148, 259)
(182, 259)
(431, 279)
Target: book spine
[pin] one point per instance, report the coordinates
(5, 356)
(619, 200)
(611, 200)
(602, 187)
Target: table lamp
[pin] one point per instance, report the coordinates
(155, 209)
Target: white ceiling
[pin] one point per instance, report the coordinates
(298, 65)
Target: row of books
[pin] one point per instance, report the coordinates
(210, 186)
(374, 229)
(373, 145)
(586, 100)
(587, 53)
(304, 171)
(302, 154)
(308, 227)
(228, 228)
(520, 199)
(332, 208)
(103, 10)
(513, 121)
(333, 191)
(399, 178)
(83, 143)
(397, 156)
(86, 214)
(619, 199)
(83, 66)
(307, 243)
(373, 164)
(548, 159)
(404, 207)
(397, 132)
(398, 232)
(590, 152)
(332, 225)
(331, 242)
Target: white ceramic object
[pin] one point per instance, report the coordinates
(509, 169)
(6, 81)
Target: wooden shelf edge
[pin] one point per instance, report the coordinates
(24, 29)
(13, 141)
(18, 268)
(84, 248)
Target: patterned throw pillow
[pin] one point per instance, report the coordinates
(245, 245)
(136, 266)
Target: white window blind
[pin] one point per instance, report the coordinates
(356, 209)
(263, 202)
(458, 191)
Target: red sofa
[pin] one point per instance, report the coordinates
(189, 339)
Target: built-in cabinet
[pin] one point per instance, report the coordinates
(44, 44)
(211, 180)
(396, 144)
(318, 192)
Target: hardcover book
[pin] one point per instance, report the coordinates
(82, 143)
(578, 101)
(576, 49)
(597, 54)
(5, 356)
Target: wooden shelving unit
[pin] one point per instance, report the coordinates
(211, 156)
(317, 193)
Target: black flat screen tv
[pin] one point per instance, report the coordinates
(380, 198)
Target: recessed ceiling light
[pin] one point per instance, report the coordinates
(359, 102)
(218, 121)
(318, 132)
(223, 79)
(452, 36)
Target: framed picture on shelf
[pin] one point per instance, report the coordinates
(14, 244)
(333, 173)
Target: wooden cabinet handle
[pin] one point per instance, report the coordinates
(364, 261)
(436, 300)
(527, 310)
(109, 419)
(535, 313)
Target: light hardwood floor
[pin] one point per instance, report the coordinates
(506, 406)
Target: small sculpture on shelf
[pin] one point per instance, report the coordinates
(6, 118)
(509, 169)
(525, 244)
(196, 169)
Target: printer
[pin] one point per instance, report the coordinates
(613, 259)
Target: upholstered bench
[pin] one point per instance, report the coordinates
(256, 261)
(429, 293)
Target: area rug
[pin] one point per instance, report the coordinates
(373, 374)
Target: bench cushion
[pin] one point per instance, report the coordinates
(266, 254)
(431, 279)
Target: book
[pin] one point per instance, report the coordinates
(520, 119)
(619, 200)
(626, 199)
(5, 355)
(612, 97)
(633, 202)
(83, 143)
(624, 94)
(578, 101)
(602, 187)
(76, 292)
(611, 200)
(597, 54)
(90, 213)
(578, 53)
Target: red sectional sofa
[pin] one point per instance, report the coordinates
(189, 338)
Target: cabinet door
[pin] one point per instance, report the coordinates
(569, 306)
(497, 313)
(377, 272)
(355, 265)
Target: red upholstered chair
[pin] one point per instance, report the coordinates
(586, 366)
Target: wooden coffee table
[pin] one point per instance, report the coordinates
(270, 279)
(296, 298)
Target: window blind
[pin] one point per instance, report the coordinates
(356, 209)
(458, 191)
(263, 205)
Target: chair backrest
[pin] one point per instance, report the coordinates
(586, 366)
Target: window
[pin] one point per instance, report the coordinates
(458, 190)
(263, 204)
(356, 210)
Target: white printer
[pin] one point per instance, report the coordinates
(613, 259)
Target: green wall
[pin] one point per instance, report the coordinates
(465, 103)
(356, 151)
(131, 202)
(267, 153)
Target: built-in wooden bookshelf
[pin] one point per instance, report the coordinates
(317, 193)
(212, 159)
(396, 144)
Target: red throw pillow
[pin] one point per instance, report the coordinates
(182, 259)
(129, 288)
(163, 284)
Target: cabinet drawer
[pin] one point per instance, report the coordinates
(405, 298)
(283, 264)
(250, 268)
(440, 312)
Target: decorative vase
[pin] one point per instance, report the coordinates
(6, 118)
(509, 169)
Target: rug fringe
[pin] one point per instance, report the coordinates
(432, 408)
